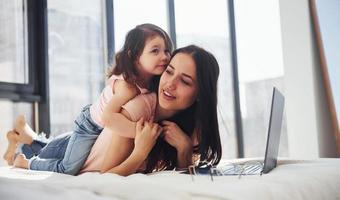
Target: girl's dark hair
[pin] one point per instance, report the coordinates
(133, 47)
(200, 117)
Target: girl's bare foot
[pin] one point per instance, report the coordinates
(21, 161)
(26, 134)
(12, 138)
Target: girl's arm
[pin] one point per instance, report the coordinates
(122, 93)
(122, 130)
(122, 125)
(146, 136)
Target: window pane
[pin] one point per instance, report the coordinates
(211, 31)
(76, 59)
(9, 112)
(260, 68)
(129, 13)
(13, 42)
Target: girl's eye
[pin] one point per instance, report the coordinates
(155, 51)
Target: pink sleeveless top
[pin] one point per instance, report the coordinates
(96, 109)
(143, 105)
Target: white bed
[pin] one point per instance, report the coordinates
(292, 179)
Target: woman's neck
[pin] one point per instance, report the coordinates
(162, 113)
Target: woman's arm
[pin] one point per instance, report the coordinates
(128, 166)
(119, 150)
(184, 157)
(122, 129)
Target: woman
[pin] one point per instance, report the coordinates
(187, 97)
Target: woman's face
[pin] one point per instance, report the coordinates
(178, 84)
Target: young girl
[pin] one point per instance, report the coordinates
(146, 53)
(187, 97)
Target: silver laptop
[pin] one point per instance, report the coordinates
(272, 148)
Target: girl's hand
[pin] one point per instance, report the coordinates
(176, 137)
(146, 136)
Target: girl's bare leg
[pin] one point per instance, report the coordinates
(26, 134)
(21, 161)
(12, 138)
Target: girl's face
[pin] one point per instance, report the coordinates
(178, 84)
(155, 56)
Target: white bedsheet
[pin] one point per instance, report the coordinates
(313, 179)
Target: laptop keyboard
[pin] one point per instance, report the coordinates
(241, 169)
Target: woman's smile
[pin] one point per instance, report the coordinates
(168, 96)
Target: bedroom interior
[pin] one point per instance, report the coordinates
(53, 55)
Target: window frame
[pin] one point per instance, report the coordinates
(237, 103)
(36, 91)
(18, 91)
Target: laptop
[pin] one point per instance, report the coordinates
(272, 146)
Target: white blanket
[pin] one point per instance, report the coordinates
(314, 179)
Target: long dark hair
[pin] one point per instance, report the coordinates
(200, 117)
(133, 47)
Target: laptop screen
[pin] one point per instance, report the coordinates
(274, 131)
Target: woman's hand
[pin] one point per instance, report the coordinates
(176, 137)
(146, 136)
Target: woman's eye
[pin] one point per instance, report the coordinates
(185, 82)
(168, 71)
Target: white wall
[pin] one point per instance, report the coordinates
(308, 118)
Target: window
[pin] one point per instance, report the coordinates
(21, 63)
(129, 13)
(13, 42)
(17, 68)
(211, 31)
(260, 67)
(76, 59)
